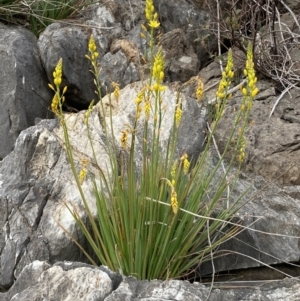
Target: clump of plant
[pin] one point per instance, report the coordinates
(38, 13)
(165, 218)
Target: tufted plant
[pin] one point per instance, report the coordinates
(164, 218)
(39, 13)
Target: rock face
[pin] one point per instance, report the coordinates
(62, 281)
(24, 95)
(67, 281)
(270, 153)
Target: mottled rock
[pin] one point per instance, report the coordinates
(181, 61)
(33, 197)
(194, 22)
(56, 283)
(66, 281)
(71, 44)
(23, 85)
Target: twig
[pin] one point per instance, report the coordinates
(212, 262)
(223, 221)
(219, 34)
(291, 12)
(279, 98)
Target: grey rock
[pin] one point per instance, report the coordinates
(181, 61)
(175, 290)
(76, 283)
(71, 44)
(69, 281)
(27, 278)
(128, 14)
(32, 199)
(193, 21)
(23, 86)
(270, 152)
(271, 236)
(116, 68)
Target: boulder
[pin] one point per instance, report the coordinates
(71, 44)
(62, 281)
(34, 194)
(24, 95)
(181, 61)
(194, 22)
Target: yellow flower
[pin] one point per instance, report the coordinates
(254, 92)
(186, 163)
(158, 67)
(241, 155)
(225, 82)
(178, 115)
(54, 104)
(199, 89)
(83, 171)
(154, 24)
(174, 201)
(116, 90)
(92, 45)
(57, 74)
(147, 109)
(186, 166)
(124, 139)
(88, 112)
(82, 175)
(173, 172)
(250, 91)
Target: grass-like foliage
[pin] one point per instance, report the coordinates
(38, 13)
(162, 219)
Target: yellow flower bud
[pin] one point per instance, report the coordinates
(254, 92)
(174, 202)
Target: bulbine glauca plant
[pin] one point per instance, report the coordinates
(160, 218)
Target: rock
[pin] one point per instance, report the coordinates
(127, 15)
(293, 5)
(116, 68)
(194, 22)
(172, 290)
(71, 44)
(181, 60)
(33, 195)
(270, 153)
(192, 129)
(24, 95)
(27, 278)
(63, 281)
(33, 198)
(271, 237)
(71, 281)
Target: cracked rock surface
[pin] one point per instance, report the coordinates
(66, 281)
